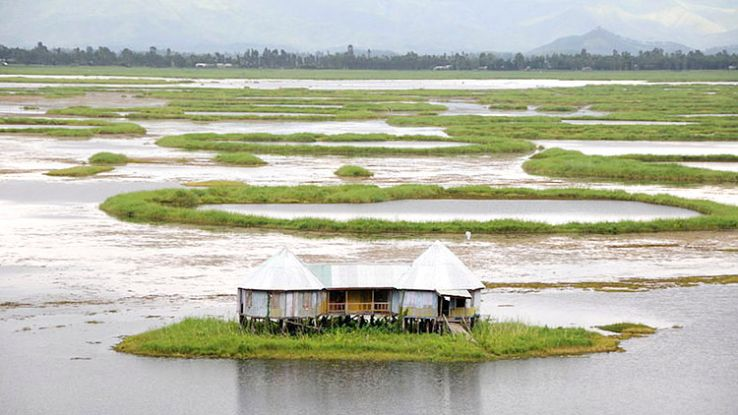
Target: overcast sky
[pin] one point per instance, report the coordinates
(399, 25)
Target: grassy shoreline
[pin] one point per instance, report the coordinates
(216, 338)
(54, 127)
(260, 143)
(79, 171)
(622, 285)
(177, 206)
(556, 162)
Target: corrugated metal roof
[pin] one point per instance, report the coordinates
(439, 269)
(282, 272)
(436, 269)
(359, 275)
(454, 293)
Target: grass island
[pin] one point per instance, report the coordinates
(349, 170)
(217, 338)
(178, 206)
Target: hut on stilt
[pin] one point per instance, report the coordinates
(436, 288)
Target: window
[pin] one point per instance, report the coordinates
(337, 297)
(381, 296)
(461, 303)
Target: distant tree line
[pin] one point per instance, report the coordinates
(273, 58)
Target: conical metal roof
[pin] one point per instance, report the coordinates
(439, 269)
(282, 272)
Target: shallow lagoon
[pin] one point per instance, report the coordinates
(387, 144)
(55, 245)
(548, 211)
(685, 370)
(172, 127)
(454, 108)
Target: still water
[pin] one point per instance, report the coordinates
(387, 144)
(57, 363)
(472, 108)
(548, 211)
(170, 127)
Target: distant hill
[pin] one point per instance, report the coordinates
(422, 26)
(728, 48)
(602, 42)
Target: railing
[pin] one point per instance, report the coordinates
(359, 308)
(462, 312)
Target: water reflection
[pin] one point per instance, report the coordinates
(358, 387)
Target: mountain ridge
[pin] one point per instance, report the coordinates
(600, 41)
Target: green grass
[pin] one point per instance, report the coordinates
(628, 330)
(54, 127)
(676, 158)
(349, 170)
(573, 164)
(108, 158)
(412, 108)
(156, 207)
(79, 171)
(240, 159)
(367, 74)
(557, 108)
(260, 143)
(216, 338)
(215, 183)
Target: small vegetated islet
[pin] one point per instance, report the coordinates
(216, 338)
(153, 207)
(54, 127)
(349, 170)
(263, 143)
(79, 171)
(556, 162)
(240, 159)
(107, 158)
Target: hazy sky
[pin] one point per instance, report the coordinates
(421, 25)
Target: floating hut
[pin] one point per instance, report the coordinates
(437, 288)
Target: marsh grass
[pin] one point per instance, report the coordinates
(216, 338)
(240, 159)
(215, 183)
(627, 330)
(557, 108)
(55, 127)
(349, 170)
(676, 158)
(573, 164)
(108, 158)
(153, 207)
(79, 171)
(259, 143)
